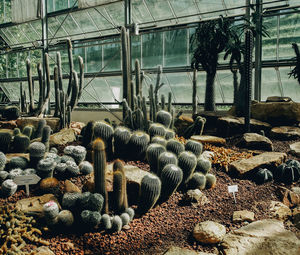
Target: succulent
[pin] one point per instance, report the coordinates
(125, 218)
(36, 153)
(187, 161)
(11, 112)
(18, 162)
(164, 117)
(263, 175)
(46, 167)
(170, 134)
(99, 159)
(198, 181)
(88, 133)
(46, 136)
(66, 218)
(28, 131)
(152, 154)
(130, 212)
(3, 176)
(5, 139)
(164, 159)
(203, 165)
(84, 200)
(54, 156)
(85, 167)
(121, 138)
(119, 187)
(175, 146)
(96, 201)
(105, 222)
(90, 219)
(159, 140)
(72, 168)
(138, 144)
(68, 150)
(21, 143)
(149, 193)
(69, 200)
(288, 172)
(39, 130)
(104, 131)
(194, 146)
(15, 172)
(16, 131)
(116, 224)
(2, 160)
(60, 168)
(53, 150)
(171, 177)
(29, 171)
(66, 158)
(8, 188)
(157, 129)
(79, 153)
(210, 181)
(50, 210)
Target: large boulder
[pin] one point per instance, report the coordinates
(53, 122)
(174, 250)
(285, 132)
(209, 232)
(264, 237)
(290, 198)
(295, 149)
(267, 159)
(255, 141)
(209, 139)
(276, 113)
(279, 211)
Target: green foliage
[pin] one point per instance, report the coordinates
(296, 70)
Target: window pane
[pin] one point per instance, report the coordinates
(22, 64)
(152, 52)
(3, 66)
(135, 48)
(94, 58)
(112, 57)
(270, 85)
(269, 44)
(290, 86)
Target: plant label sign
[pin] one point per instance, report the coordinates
(27, 180)
(233, 189)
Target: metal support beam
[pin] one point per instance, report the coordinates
(127, 13)
(258, 52)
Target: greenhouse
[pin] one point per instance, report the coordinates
(150, 127)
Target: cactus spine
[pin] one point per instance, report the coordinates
(119, 187)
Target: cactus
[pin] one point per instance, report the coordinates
(15, 172)
(157, 129)
(66, 158)
(130, 212)
(104, 131)
(138, 80)
(36, 153)
(171, 177)
(105, 222)
(96, 201)
(152, 154)
(83, 201)
(125, 218)
(11, 112)
(119, 187)
(187, 161)
(90, 219)
(69, 200)
(194, 146)
(45, 168)
(79, 153)
(159, 140)
(196, 128)
(85, 167)
(149, 193)
(203, 165)
(194, 101)
(72, 168)
(165, 118)
(116, 224)
(29, 171)
(99, 159)
(198, 181)
(210, 181)
(46, 136)
(60, 168)
(163, 105)
(16, 131)
(137, 145)
(21, 143)
(288, 172)
(121, 138)
(88, 134)
(3, 176)
(50, 210)
(144, 109)
(39, 131)
(8, 188)
(5, 140)
(164, 159)
(53, 150)
(28, 131)
(54, 156)
(66, 218)
(18, 162)
(2, 160)
(173, 145)
(170, 134)
(68, 150)
(263, 175)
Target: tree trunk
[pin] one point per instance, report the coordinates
(209, 104)
(235, 87)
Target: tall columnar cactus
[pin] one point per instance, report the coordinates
(149, 193)
(5, 140)
(21, 143)
(99, 159)
(119, 187)
(46, 136)
(152, 153)
(194, 103)
(28, 131)
(39, 131)
(121, 138)
(36, 153)
(187, 161)
(138, 79)
(203, 165)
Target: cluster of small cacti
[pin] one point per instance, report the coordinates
(10, 112)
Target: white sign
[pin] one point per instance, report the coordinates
(27, 180)
(232, 189)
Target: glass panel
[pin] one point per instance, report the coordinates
(175, 48)
(210, 6)
(2, 16)
(8, 11)
(116, 13)
(61, 4)
(152, 51)
(22, 63)
(234, 4)
(5, 37)
(269, 44)
(69, 25)
(115, 83)
(3, 66)
(140, 12)
(112, 57)
(135, 48)
(76, 53)
(94, 58)
(290, 86)
(185, 7)
(84, 21)
(270, 85)
(35, 58)
(12, 90)
(50, 6)
(159, 9)
(224, 86)
(102, 20)
(12, 65)
(54, 30)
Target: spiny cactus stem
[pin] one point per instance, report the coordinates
(30, 85)
(56, 90)
(41, 85)
(60, 77)
(75, 88)
(138, 83)
(81, 80)
(194, 92)
(71, 66)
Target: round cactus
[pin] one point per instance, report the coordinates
(130, 212)
(39, 130)
(84, 201)
(5, 139)
(50, 210)
(3, 176)
(79, 153)
(105, 131)
(85, 167)
(164, 118)
(66, 158)
(60, 168)
(210, 181)
(72, 168)
(29, 171)
(8, 188)
(121, 138)
(46, 167)
(138, 145)
(2, 160)
(11, 112)
(21, 143)
(175, 146)
(68, 150)
(15, 172)
(164, 159)
(36, 153)
(171, 177)
(90, 219)
(203, 165)
(105, 222)
(54, 156)
(116, 224)
(194, 147)
(198, 181)
(16, 131)
(170, 134)
(18, 162)
(96, 201)
(125, 218)
(66, 218)
(159, 140)
(288, 172)
(187, 161)
(28, 131)
(69, 200)
(152, 154)
(157, 129)
(53, 150)
(263, 175)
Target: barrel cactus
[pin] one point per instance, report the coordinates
(170, 134)
(187, 161)
(88, 133)
(8, 188)
(194, 146)
(5, 140)
(16, 131)
(203, 165)
(21, 143)
(160, 140)
(105, 131)
(175, 146)
(164, 118)
(138, 144)
(164, 159)
(45, 168)
(288, 172)
(157, 129)
(210, 181)
(198, 181)
(121, 138)
(263, 175)
(152, 154)
(11, 112)
(18, 162)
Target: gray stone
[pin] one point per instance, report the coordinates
(209, 139)
(51, 121)
(255, 141)
(295, 149)
(209, 232)
(174, 250)
(266, 159)
(290, 198)
(264, 237)
(279, 211)
(296, 217)
(285, 132)
(278, 99)
(241, 216)
(196, 197)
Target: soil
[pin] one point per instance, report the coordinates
(172, 222)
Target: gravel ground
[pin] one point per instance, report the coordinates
(170, 223)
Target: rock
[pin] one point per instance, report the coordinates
(174, 250)
(64, 136)
(51, 121)
(70, 187)
(285, 133)
(195, 197)
(263, 237)
(182, 123)
(209, 139)
(43, 250)
(209, 232)
(240, 216)
(11, 155)
(228, 126)
(278, 99)
(266, 159)
(49, 185)
(276, 113)
(255, 141)
(296, 217)
(34, 205)
(8, 124)
(279, 211)
(295, 149)
(288, 197)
